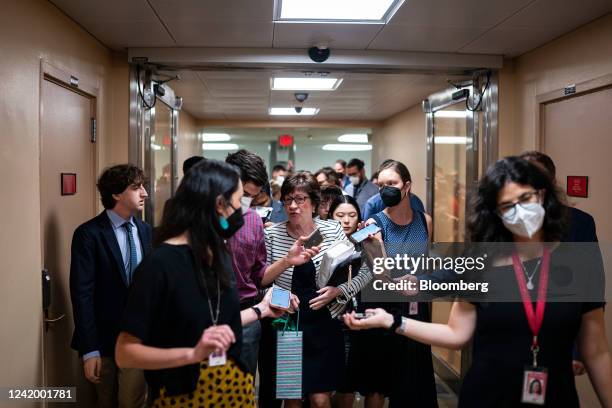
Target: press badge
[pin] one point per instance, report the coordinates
(217, 359)
(414, 309)
(535, 381)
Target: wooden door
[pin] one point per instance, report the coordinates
(66, 148)
(577, 135)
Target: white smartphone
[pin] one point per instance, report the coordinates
(281, 298)
(365, 232)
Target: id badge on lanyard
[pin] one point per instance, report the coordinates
(217, 359)
(535, 377)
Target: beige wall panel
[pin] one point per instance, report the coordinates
(404, 137)
(579, 56)
(188, 143)
(31, 30)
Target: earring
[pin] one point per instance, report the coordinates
(223, 222)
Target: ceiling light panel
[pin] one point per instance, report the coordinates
(347, 147)
(219, 146)
(342, 11)
(450, 114)
(305, 84)
(450, 140)
(215, 137)
(292, 112)
(353, 138)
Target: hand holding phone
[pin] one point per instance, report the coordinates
(281, 298)
(314, 239)
(365, 232)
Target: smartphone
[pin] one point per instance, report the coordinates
(264, 213)
(358, 316)
(313, 239)
(365, 232)
(281, 298)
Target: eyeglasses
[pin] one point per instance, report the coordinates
(299, 200)
(509, 209)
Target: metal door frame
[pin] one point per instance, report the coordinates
(489, 108)
(142, 128)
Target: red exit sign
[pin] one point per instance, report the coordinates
(285, 140)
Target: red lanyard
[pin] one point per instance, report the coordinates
(534, 318)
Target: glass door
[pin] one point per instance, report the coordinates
(461, 141)
(160, 160)
(449, 144)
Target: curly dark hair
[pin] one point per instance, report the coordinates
(484, 223)
(115, 179)
(303, 181)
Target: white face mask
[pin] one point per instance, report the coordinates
(280, 180)
(526, 220)
(355, 180)
(245, 203)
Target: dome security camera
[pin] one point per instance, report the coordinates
(298, 109)
(319, 53)
(300, 96)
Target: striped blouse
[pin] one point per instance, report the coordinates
(278, 243)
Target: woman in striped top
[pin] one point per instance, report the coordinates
(324, 368)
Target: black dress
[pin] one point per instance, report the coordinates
(323, 367)
(387, 363)
(167, 308)
(502, 341)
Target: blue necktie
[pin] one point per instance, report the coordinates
(133, 257)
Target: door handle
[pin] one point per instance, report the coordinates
(50, 322)
(57, 319)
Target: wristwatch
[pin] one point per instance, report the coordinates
(257, 312)
(397, 321)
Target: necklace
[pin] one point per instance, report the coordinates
(214, 317)
(530, 277)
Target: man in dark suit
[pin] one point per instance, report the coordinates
(105, 253)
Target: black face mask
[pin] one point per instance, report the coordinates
(233, 223)
(391, 196)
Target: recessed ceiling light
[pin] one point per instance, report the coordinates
(219, 146)
(345, 11)
(347, 147)
(215, 137)
(450, 114)
(305, 84)
(353, 138)
(292, 112)
(450, 140)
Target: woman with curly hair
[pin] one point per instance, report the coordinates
(517, 203)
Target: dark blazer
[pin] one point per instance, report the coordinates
(98, 286)
(581, 227)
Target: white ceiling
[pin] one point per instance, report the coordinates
(508, 27)
(246, 95)
(499, 27)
